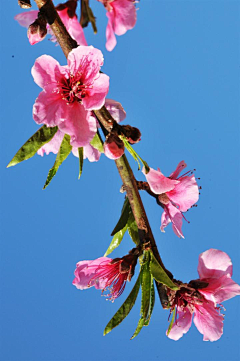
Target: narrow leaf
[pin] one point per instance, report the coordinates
(97, 142)
(135, 155)
(172, 321)
(146, 283)
(133, 228)
(80, 154)
(160, 275)
(63, 153)
(146, 288)
(125, 308)
(37, 140)
(117, 239)
(152, 302)
(139, 327)
(123, 218)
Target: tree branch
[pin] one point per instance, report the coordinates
(107, 121)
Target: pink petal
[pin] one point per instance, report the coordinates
(172, 214)
(214, 264)
(181, 325)
(48, 107)
(27, 18)
(220, 289)
(52, 146)
(125, 16)
(34, 38)
(113, 151)
(73, 27)
(110, 36)
(208, 321)
(78, 123)
(95, 97)
(178, 170)
(158, 182)
(185, 194)
(85, 60)
(89, 152)
(47, 70)
(115, 109)
(86, 273)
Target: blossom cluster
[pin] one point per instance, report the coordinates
(70, 96)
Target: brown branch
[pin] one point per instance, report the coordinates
(107, 121)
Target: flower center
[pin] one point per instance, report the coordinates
(72, 90)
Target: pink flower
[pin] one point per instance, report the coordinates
(121, 17)
(93, 155)
(175, 195)
(71, 23)
(104, 273)
(113, 146)
(70, 92)
(200, 297)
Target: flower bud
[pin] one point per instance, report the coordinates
(24, 4)
(37, 30)
(132, 134)
(113, 146)
(70, 5)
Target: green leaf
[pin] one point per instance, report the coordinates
(37, 140)
(117, 239)
(97, 142)
(80, 154)
(133, 228)
(146, 285)
(123, 218)
(152, 302)
(172, 322)
(125, 308)
(63, 153)
(135, 155)
(160, 275)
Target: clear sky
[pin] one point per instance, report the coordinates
(177, 76)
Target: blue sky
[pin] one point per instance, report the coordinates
(177, 76)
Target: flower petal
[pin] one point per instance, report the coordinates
(89, 152)
(178, 170)
(125, 16)
(47, 70)
(158, 182)
(52, 146)
(48, 107)
(85, 60)
(115, 109)
(27, 18)
(214, 264)
(172, 214)
(86, 273)
(73, 27)
(208, 321)
(95, 97)
(220, 289)
(110, 36)
(185, 194)
(181, 325)
(79, 124)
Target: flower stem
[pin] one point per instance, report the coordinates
(130, 185)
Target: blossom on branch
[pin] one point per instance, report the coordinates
(93, 155)
(70, 93)
(201, 297)
(71, 23)
(121, 17)
(175, 195)
(105, 273)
